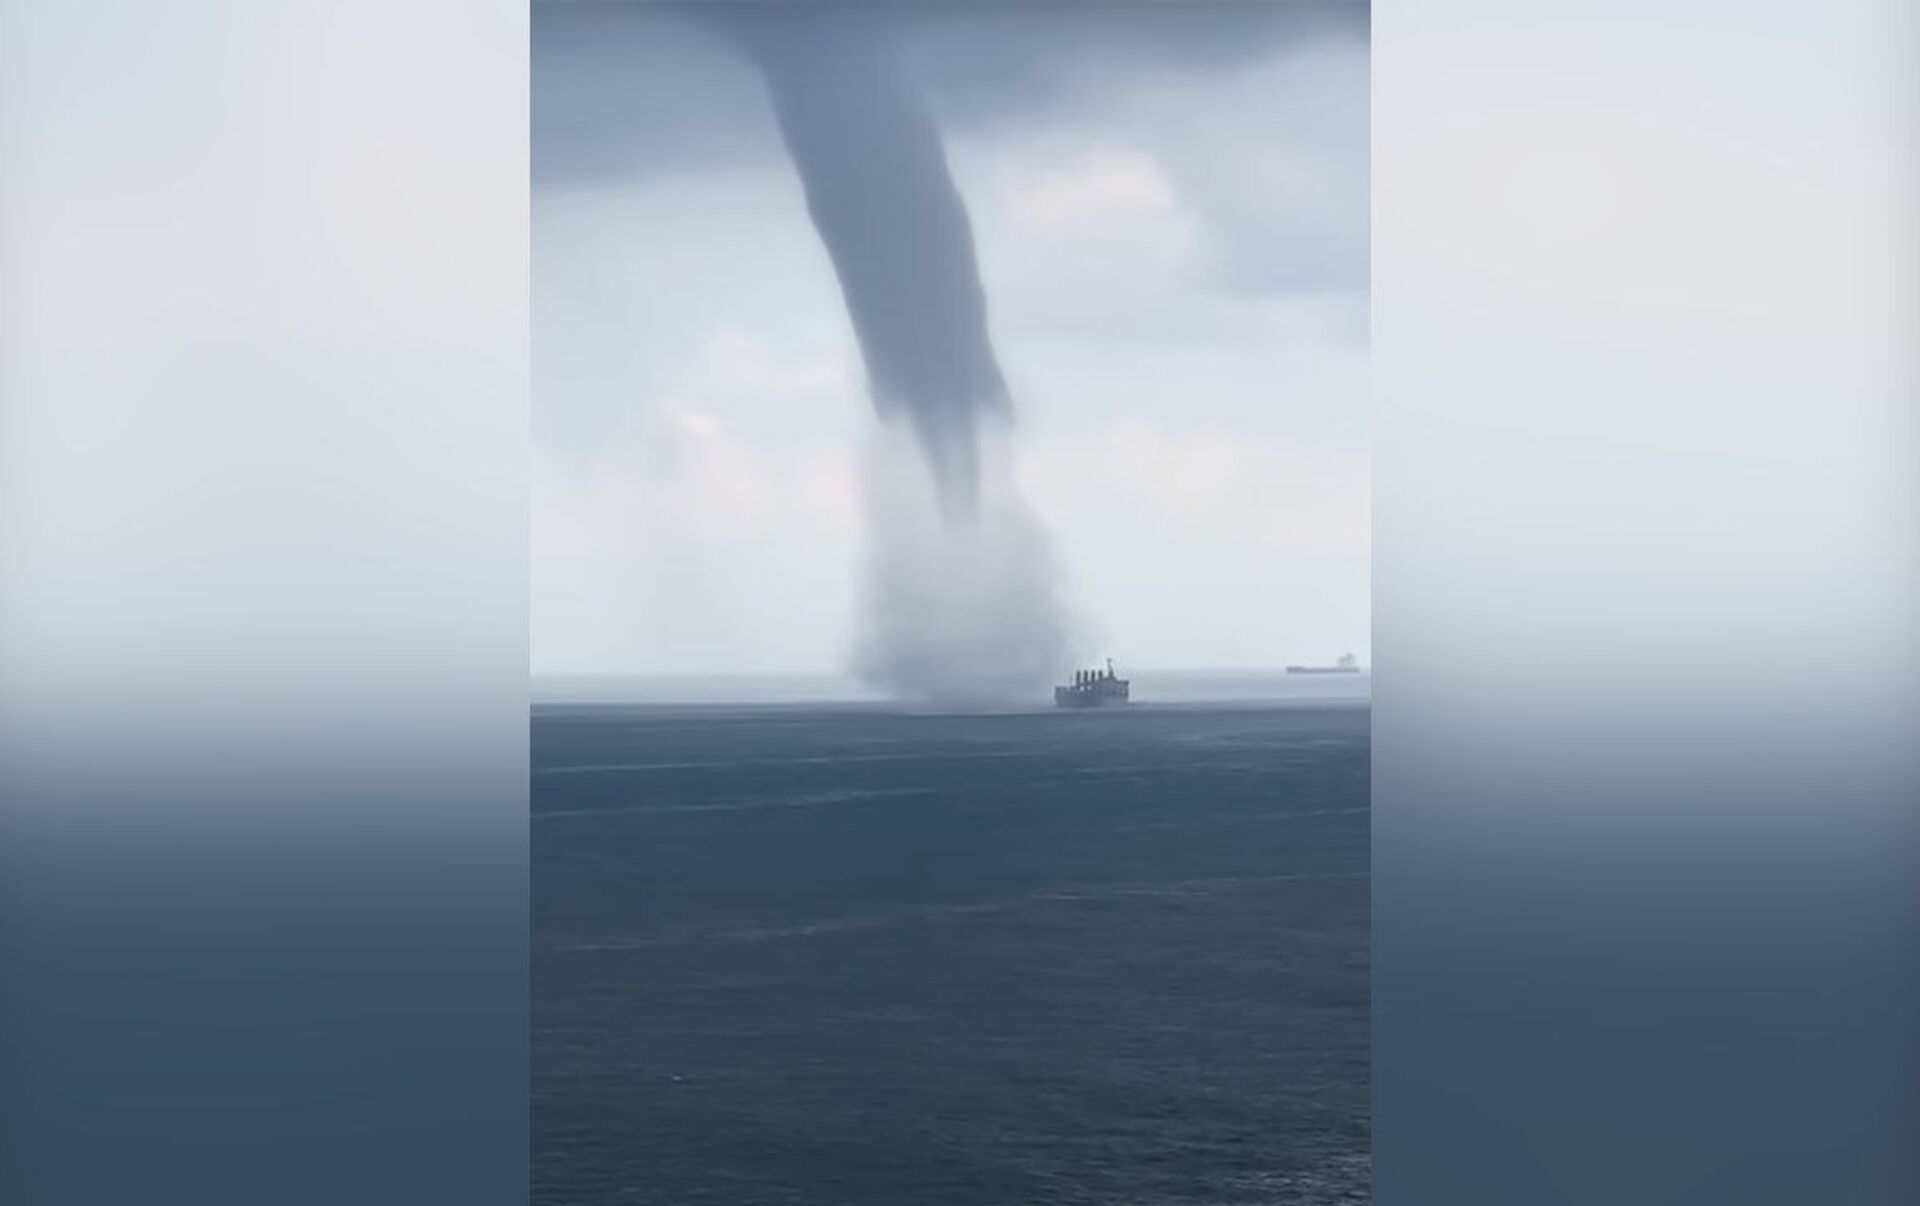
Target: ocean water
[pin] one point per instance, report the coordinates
(846, 954)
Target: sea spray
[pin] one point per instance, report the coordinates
(955, 613)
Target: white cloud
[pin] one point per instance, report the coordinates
(1094, 185)
(1192, 544)
(695, 542)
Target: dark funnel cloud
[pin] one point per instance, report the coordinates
(880, 194)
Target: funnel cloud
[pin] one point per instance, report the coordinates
(960, 598)
(880, 195)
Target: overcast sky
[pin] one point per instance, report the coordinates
(1170, 205)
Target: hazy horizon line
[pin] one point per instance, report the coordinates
(1164, 685)
(1243, 668)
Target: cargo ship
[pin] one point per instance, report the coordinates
(1092, 689)
(1347, 664)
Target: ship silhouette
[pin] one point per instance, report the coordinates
(1348, 664)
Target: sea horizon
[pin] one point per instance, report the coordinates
(1151, 686)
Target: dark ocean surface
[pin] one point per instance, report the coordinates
(846, 954)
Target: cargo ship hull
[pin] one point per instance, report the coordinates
(1347, 664)
(1067, 697)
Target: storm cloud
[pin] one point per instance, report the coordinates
(625, 89)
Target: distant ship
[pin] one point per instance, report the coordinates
(1348, 664)
(1092, 689)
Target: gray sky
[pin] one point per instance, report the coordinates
(1170, 205)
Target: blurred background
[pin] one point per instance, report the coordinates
(1643, 435)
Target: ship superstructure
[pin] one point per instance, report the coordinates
(1092, 689)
